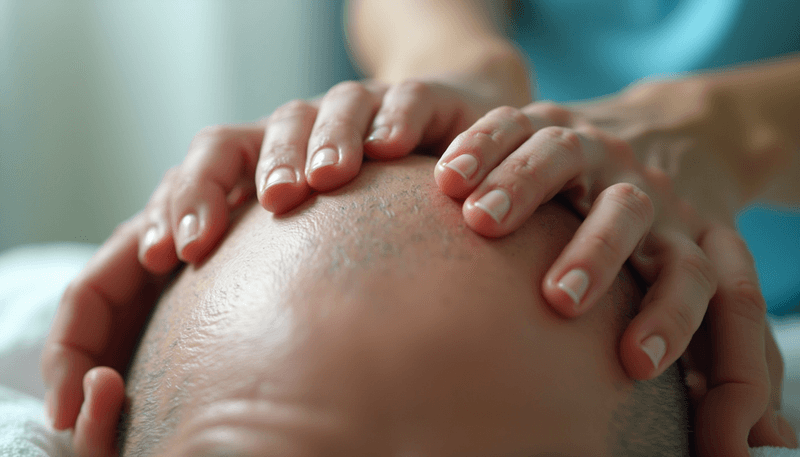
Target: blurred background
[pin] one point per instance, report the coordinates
(99, 98)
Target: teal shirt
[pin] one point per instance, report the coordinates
(583, 49)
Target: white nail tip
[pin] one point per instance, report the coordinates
(152, 236)
(655, 347)
(574, 284)
(465, 165)
(323, 158)
(188, 228)
(495, 203)
(281, 175)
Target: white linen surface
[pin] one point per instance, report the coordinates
(32, 279)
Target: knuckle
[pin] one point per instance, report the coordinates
(551, 112)
(213, 132)
(747, 297)
(415, 88)
(291, 110)
(563, 138)
(512, 115)
(633, 199)
(682, 317)
(348, 88)
(698, 267)
(326, 127)
(603, 245)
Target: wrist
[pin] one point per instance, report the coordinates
(753, 126)
(494, 69)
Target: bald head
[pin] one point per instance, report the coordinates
(372, 321)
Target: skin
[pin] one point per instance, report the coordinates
(360, 325)
(432, 82)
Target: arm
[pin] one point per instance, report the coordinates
(764, 100)
(394, 41)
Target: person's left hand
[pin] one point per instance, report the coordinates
(511, 161)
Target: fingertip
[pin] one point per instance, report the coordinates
(95, 428)
(282, 189)
(157, 252)
(638, 353)
(488, 214)
(565, 295)
(451, 182)
(388, 143)
(281, 198)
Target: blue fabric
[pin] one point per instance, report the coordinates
(583, 49)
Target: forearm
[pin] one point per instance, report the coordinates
(455, 40)
(759, 106)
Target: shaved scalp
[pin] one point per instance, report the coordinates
(652, 422)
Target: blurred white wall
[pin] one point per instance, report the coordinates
(99, 98)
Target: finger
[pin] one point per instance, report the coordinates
(414, 113)
(621, 216)
(113, 291)
(531, 175)
(335, 148)
(738, 380)
(156, 241)
(477, 151)
(281, 182)
(96, 427)
(217, 160)
(672, 309)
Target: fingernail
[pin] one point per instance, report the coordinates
(655, 347)
(574, 284)
(323, 158)
(495, 203)
(379, 134)
(281, 175)
(151, 237)
(465, 165)
(187, 230)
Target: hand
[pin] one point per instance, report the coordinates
(104, 308)
(302, 146)
(97, 324)
(521, 158)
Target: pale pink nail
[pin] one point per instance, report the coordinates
(188, 229)
(379, 134)
(282, 175)
(495, 203)
(323, 158)
(465, 165)
(655, 347)
(151, 237)
(575, 283)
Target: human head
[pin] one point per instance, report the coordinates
(372, 322)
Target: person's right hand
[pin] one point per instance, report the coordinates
(303, 146)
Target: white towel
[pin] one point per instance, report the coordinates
(32, 279)
(23, 432)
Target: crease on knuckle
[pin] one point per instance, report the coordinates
(291, 110)
(552, 112)
(634, 200)
(348, 87)
(682, 317)
(508, 116)
(603, 246)
(747, 297)
(699, 269)
(563, 139)
(417, 89)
